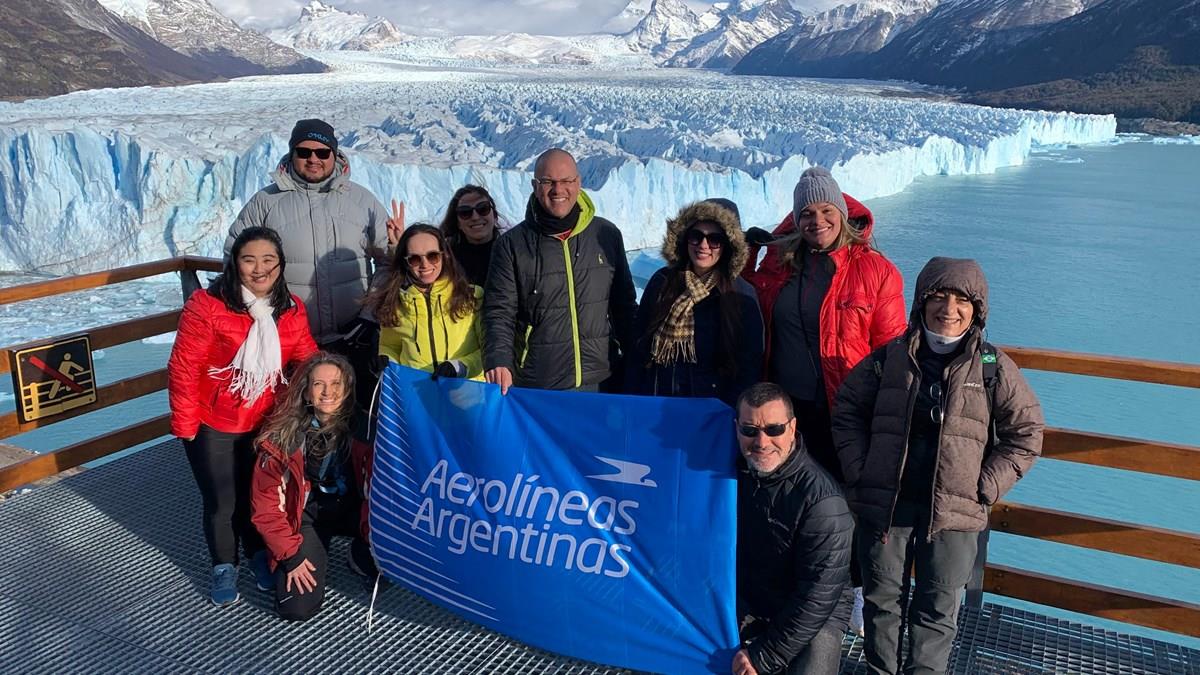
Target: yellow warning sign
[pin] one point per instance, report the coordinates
(53, 378)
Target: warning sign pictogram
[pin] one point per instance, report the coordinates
(53, 378)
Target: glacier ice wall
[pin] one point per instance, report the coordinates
(165, 171)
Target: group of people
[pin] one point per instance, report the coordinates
(871, 443)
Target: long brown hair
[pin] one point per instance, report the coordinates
(386, 302)
(449, 224)
(293, 414)
(730, 303)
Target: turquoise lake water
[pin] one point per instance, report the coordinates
(1089, 249)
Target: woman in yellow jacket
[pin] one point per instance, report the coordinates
(428, 313)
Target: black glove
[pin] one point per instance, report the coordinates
(361, 334)
(452, 368)
(756, 236)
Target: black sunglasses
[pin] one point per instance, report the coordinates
(305, 153)
(482, 209)
(434, 257)
(772, 430)
(715, 239)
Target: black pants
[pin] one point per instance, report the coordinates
(942, 566)
(324, 517)
(815, 427)
(222, 464)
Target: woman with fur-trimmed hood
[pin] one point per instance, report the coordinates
(699, 330)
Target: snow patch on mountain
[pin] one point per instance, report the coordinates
(196, 28)
(323, 27)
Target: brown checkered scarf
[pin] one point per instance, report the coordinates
(675, 339)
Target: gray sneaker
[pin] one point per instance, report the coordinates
(224, 585)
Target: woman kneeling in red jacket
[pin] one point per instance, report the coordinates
(310, 483)
(234, 343)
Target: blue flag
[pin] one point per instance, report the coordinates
(597, 526)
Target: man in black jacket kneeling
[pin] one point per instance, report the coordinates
(794, 538)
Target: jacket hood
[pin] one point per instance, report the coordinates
(962, 275)
(285, 180)
(694, 213)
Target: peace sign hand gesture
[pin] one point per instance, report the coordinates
(395, 224)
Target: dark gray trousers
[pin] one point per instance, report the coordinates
(942, 568)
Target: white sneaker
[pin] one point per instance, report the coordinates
(856, 614)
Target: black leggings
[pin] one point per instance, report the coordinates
(324, 517)
(222, 464)
(815, 427)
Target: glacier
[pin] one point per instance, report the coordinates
(103, 178)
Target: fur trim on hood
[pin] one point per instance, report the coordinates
(706, 210)
(962, 275)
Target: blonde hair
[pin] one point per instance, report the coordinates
(848, 235)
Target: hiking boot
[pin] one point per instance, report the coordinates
(264, 578)
(856, 614)
(360, 560)
(224, 585)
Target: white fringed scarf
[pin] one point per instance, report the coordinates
(258, 365)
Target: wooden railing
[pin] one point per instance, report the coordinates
(1150, 543)
(50, 463)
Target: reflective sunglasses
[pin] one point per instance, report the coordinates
(715, 239)
(936, 414)
(483, 209)
(772, 430)
(305, 153)
(434, 257)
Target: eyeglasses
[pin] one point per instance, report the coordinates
(551, 183)
(305, 153)
(714, 239)
(482, 209)
(772, 430)
(434, 257)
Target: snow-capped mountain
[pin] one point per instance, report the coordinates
(944, 42)
(859, 28)
(196, 28)
(50, 47)
(518, 48)
(741, 27)
(628, 18)
(323, 27)
(667, 27)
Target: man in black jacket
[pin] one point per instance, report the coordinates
(559, 292)
(794, 538)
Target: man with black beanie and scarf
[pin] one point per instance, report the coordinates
(559, 301)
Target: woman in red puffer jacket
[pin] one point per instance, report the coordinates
(234, 343)
(828, 299)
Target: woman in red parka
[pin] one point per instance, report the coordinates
(828, 299)
(233, 345)
(311, 483)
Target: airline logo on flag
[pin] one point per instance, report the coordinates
(596, 526)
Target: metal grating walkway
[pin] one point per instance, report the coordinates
(107, 572)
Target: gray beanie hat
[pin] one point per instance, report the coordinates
(817, 185)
